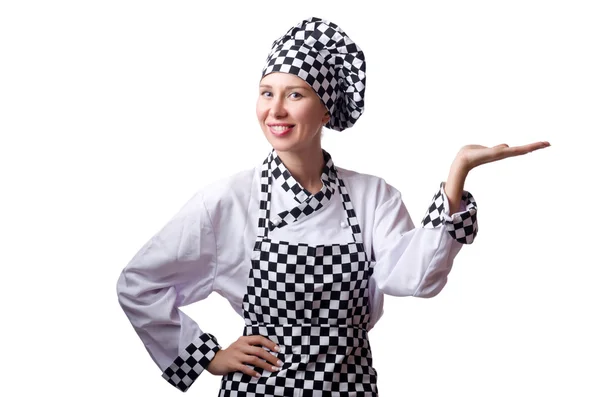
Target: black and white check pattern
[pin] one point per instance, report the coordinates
(351, 214)
(307, 203)
(192, 361)
(335, 278)
(323, 55)
(318, 361)
(462, 226)
(313, 301)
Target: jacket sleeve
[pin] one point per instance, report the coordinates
(176, 267)
(416, 261)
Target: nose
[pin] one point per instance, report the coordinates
(278, 108)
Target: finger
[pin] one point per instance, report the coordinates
(519, 150)
(247, 370)
(261, 340)
(258, 362)
(265, 355)
(535, 146)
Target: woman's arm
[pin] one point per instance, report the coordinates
(455, 184)
(176, 267)
(416, 261)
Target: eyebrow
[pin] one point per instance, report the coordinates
(289, 87)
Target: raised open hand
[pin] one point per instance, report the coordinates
(471, 156)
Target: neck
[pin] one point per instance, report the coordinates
(306, 167)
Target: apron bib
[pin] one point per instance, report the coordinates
(313, 301)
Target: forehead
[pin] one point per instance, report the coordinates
(280, 80)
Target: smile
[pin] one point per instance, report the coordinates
(281, 129)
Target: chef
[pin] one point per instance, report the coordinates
(302, 249)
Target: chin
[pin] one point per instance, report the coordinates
(282, 145)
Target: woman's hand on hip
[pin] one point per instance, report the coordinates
(247, 350)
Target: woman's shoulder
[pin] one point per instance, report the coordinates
(368, 185)
(229, 190)
(358, 177)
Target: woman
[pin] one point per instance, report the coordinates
(303, 250)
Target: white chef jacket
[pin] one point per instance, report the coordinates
(206, 248)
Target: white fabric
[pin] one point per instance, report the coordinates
(206, 247)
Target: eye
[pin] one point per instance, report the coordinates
(265, 93)
(295, 95)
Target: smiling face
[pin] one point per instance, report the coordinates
(290, 113)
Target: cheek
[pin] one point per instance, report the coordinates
(260, 112)
(310, 115)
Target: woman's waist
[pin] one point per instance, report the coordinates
(306, 343)
(313, 333)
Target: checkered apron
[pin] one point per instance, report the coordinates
(312, 300)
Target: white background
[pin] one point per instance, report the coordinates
(114, 113)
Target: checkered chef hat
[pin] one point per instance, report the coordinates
(320, 53)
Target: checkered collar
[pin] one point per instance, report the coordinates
(307, 203)
(289, 184)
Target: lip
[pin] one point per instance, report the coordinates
(280, 133)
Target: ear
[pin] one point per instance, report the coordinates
(325, 118)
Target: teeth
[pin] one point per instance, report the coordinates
(280, 127)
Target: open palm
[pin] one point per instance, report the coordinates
(475, 155)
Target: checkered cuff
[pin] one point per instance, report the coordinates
(461, 225)
(192, 361)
